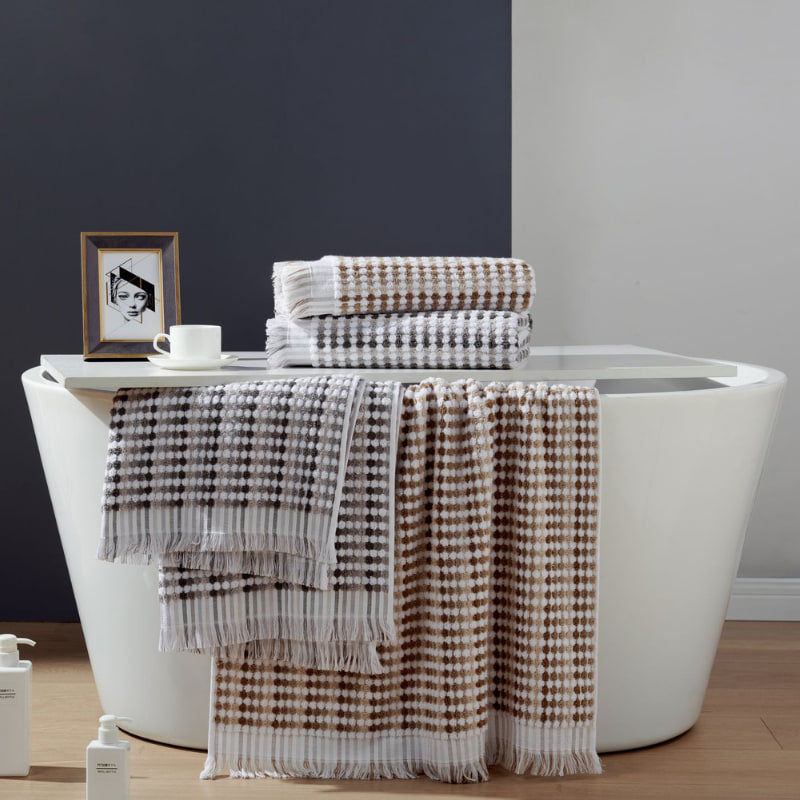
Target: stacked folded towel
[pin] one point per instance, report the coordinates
(403, 312)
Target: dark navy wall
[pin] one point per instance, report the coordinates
(259, 130)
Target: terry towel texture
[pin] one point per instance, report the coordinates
(342, 285)
(245, 477)
(494, 662)
(333, 629)
(434, 339)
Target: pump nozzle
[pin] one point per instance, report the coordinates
(9, 654)
(108, 733)
(9, 642)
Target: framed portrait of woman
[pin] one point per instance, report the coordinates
(131, 292)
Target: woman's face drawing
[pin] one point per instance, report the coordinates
(130, 299)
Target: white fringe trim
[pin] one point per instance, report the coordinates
(258, 753)
(291, 755)
(303, 288)
(522, 762)
(196, 636)
(290, 342)
(136, 535)
(530, 749)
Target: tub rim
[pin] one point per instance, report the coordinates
(755, 377)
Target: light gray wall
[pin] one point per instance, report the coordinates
(656, 188)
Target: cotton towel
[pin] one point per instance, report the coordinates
(342, 285)
(333, 629)
(240, 477)
(496, 610)
(433, 339)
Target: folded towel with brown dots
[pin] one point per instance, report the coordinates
(343, 285)
(495, 580)
(432, 339)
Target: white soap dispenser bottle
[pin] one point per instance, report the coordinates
(107, 768)
(15, 708)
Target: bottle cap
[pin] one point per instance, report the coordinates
(108, 733)
(9, 654)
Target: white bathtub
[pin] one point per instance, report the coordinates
(681, 461)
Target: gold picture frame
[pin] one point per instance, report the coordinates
(131, 291)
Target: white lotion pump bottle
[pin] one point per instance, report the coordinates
(15, 708)
(107, 768)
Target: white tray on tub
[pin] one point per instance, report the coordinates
(556, 363)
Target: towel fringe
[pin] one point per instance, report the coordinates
(210, 769)
(233, 635)
(294, 287)
(250, 767)
(525, 762)
(277, 342)
(128, 546)
(291, 342)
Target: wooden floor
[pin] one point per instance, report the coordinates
(746, 744)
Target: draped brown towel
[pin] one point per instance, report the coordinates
(495, 609)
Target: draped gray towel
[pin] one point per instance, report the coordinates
(336, 628)
(244, 477)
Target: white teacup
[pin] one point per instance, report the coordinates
(192, 342)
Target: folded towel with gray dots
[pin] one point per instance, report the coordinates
(433, 339)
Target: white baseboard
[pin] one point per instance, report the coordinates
(765, 599)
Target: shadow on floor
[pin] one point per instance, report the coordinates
(57, 774)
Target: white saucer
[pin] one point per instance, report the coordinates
(168, 362)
